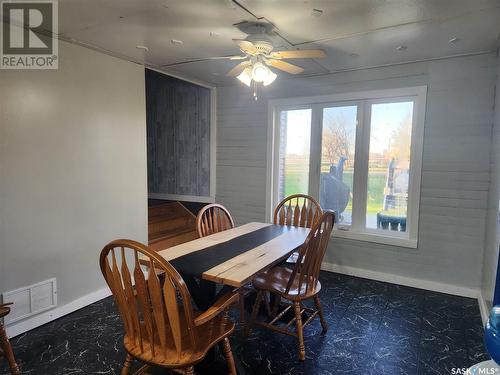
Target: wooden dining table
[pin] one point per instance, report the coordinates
(232, 257)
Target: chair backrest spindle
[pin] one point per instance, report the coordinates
(299, 210)
(213, 218)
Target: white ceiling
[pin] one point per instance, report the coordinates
(354, 33)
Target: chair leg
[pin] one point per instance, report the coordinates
(225, 319)
(228, 353)
(7, 351)
(267, 304)
(300, 331)
(255, 310)
(242, 308)
(127, 365)
(190, 371)
(276, 305)
(320, 312)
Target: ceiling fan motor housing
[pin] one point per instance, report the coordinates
(259, 33)
(264, 47)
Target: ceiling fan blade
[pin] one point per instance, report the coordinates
(286, 67)
(238, 68)
(246, 46)
(299, 54)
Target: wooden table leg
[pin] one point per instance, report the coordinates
(202, 291)
(7, 352)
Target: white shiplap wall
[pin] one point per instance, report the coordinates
(492, 236)
(455, 175)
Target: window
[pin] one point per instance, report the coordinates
(337, 160)
(295, 133)
(360, 155)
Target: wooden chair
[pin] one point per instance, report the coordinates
(6, 348)
(213, 218)
(161, 328)
(297, 284)
(298, 210)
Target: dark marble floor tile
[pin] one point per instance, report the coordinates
(374, 328)
(337, 295)
(393, 336)
(334, 315)
(477, 354)
(339, 362)
(359, 285)
(355, 333)
(435, 343)
(406, 299)
(360, 313)
(450, 331)
(398, 321)
(443, 363)
(450, 307)
(473, 329)
(369, 301)
(397, 351)
(470, 308)
(396, 368)
(437, 299)
(87, 341)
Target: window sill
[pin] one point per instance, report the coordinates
(376, 238)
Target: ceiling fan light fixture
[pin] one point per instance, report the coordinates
(270, 78)
(246, 76)
(260, 72)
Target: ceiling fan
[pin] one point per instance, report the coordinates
(259, 57)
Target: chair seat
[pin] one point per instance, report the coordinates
(276, 280)
(207, 335)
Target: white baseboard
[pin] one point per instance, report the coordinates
(25, 325)
(484, 308)
(403, 280)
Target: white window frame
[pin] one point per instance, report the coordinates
(364, 99)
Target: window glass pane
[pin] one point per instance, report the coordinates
(388, 165)
(295, 136)
(337, 161)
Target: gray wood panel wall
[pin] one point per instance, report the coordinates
(178, 136)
